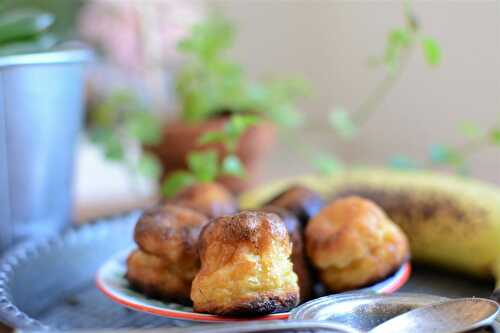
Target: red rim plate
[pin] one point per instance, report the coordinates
(111, 282)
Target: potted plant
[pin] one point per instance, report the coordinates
(221, 109)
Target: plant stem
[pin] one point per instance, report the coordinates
(373, 101)
(465, 150)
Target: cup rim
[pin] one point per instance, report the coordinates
(66, 54)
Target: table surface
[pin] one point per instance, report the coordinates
(115, 195)
(87, 306)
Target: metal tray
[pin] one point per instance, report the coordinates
(49, 284)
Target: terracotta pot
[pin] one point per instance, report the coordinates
(179, 138)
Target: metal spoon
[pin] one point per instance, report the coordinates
(453, 316)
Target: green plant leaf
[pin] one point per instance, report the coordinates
(176, 182)
(238, 124)
(441, 154)
(209, 37)
(397, 40)
(432, 51)
(212, 137)
(38, 43)
(108, 142)
(144, 127)
(342, 123)
(100, 135)
(402, 162)
(203, 165)
(470, 130)
(231, 165)
(327, 164)
(399, 37)
(149, 166)
(110, 111)
(209, 84)
(230, 135)
(495, 136)
(113, 149)
(286, 115)
(19, 25)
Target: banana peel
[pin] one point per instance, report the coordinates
(450, 221)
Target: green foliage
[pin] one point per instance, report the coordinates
(232, 166)
(23, 25)
(149, 166)
(25, 31)
(121, 119)
(341, 122)
(65, 11)
(142, 126)
(470, 130)
(432, 51)
(176, 182)
(456, 157)
(230, 135)
(327, 164)
(209, 83)
(494, 136)
(441, 154)
(398, 40)
(203, 166)
(399, 46)
(209, 39)
(277, 100)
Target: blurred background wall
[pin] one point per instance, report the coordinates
(329, 43)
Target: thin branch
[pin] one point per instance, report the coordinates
(373, 101)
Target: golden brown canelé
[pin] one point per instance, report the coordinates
(155, 278)
(301, 201)
(301, 266)
(245, 266)
(211, 199)
(170, 232)
(167, 259)
(352, 243)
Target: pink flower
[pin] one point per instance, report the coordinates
(138, 34)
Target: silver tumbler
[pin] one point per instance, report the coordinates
(41, 110)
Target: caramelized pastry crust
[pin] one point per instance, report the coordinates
(168, 259)
(172, 233)
(300, 201)
(155, 278)
(211, 199)
(353, 243)
(299, 259)
(245, 266)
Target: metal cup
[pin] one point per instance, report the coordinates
(41, 104)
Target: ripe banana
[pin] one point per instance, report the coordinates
(450, 221)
